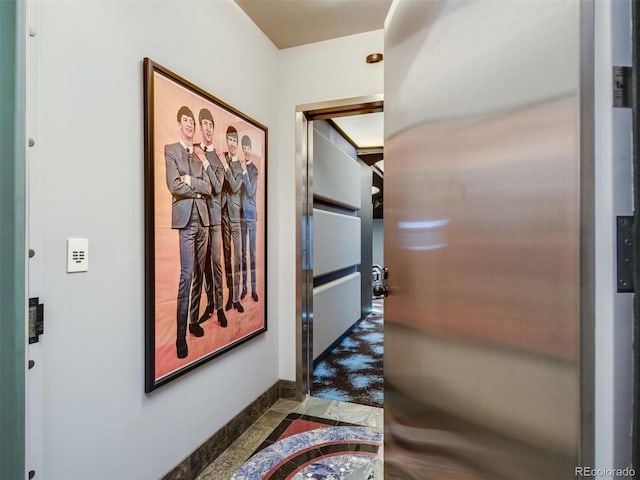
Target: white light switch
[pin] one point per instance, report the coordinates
(77, 255)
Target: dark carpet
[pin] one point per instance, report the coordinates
(352, 371)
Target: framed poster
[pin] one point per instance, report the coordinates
(205, 226)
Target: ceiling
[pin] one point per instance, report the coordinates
(365, 131)
(289, 23)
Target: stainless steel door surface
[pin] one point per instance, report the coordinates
(482, 236)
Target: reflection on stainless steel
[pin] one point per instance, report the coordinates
(424, 225)
(304, 270)
(482, 230)
(422, 235)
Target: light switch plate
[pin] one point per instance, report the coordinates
(77, 255)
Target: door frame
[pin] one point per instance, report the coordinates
(13, 241)
(305, 116)
(635, 113)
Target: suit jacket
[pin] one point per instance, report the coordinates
(215, 173)
(185, 196)
(231, 190)
(248, 193)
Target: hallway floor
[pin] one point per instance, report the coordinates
(352, 371)
(313, 439)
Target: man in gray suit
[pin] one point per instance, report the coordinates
(189, 215)
(213, 265)
(249, 217)
(231, 218)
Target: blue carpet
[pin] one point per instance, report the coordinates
(352, 371)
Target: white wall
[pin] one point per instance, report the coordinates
(88, 182)
(336, 176)
(336, 241)
(317, 72)
(336, 307)
(614, 311)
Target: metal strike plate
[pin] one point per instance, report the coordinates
(622, 87)
(625, 254)
(36, 319)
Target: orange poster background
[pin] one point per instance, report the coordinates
(168, 97)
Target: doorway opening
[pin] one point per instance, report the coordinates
(339, 176)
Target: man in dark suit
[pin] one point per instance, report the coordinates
(249, 217)
(213, 265)
(189, 215)
(231, 218)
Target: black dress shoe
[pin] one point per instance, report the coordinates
(254, 295)
(222, 318)
(196, 330)
(206, 314)
(181, 348)
(244, 293)
(229, 304)
(238, 307)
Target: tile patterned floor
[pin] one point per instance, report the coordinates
(314, 439)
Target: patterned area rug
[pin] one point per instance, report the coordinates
(352, 371)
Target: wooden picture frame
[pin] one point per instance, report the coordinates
(205, 226)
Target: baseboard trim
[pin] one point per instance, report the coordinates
(288, 389)
(206, 453)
